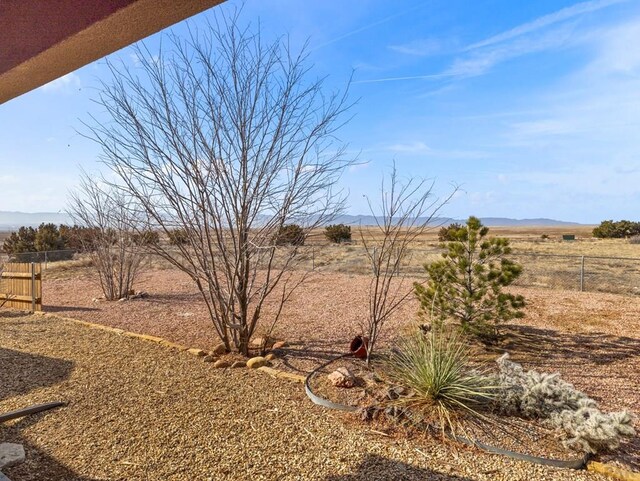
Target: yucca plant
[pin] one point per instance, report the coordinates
(442, 388)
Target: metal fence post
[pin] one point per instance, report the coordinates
(581, 273)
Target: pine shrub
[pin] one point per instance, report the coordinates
(291, 234)
(338, 233)
(466, 284)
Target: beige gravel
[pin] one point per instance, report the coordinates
(138, 411)
(592, 339)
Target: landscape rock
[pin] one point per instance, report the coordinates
(270, 357)
(220, 363)
(279, 345)
(256, 362)
(342, 377)
(209, 358)
(11, 454)
(239, 364)
(219, 349)
(196, 352)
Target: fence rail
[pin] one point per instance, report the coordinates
(21, 286)
(620, 275)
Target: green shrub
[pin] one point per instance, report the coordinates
(24, 240)
(48, 238)
(291, 234)
(338, 233)
(146, 238)
(449, 232)
(81, 239)
(608, 229)
(466, 285)
(442, 389)
(178, 237)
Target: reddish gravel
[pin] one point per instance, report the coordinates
(593, 339)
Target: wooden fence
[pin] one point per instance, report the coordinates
(21, 286)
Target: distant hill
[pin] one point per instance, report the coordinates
(14, 220)
(488, 221)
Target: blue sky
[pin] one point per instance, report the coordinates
(533, 108)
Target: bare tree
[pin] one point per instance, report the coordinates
(405, 212)
(227, 138)
(112, 240)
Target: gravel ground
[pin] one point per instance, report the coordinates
(592, 339)
(139, 411)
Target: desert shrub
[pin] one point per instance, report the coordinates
(338, 233)
(78, 238)
(466, 285)
(535, 395)
(146, 238)
(290, 234)
(24, 240)
(634, 239)
(609, 229)
(544, 236)
(434, 368)
(448, 233)
(178, 237)
(48, 238)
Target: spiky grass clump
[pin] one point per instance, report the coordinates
(442, 389)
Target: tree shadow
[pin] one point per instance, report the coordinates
(595, 347)
(70, 309)
(317, 352)
(378, 468)
(38, 464)
(24, 372)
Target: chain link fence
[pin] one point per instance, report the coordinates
(620, 275)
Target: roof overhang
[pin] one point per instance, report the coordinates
(43, 40)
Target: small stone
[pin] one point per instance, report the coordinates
(342, 377)
(221, 364)
(209, 358)
(279, 345)
(196, 352)
(219, 349)
(11, 454)
(239, 364)
(270, 357)
(256, 362)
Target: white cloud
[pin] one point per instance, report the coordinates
(71, 80)
(423, 47)
(410, 148)
(539, 23)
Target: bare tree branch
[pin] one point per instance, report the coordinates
(226, 137)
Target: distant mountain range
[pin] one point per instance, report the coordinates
(488, 221)
(13, 220)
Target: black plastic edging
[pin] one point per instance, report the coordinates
(557, 463)
(30, 410)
